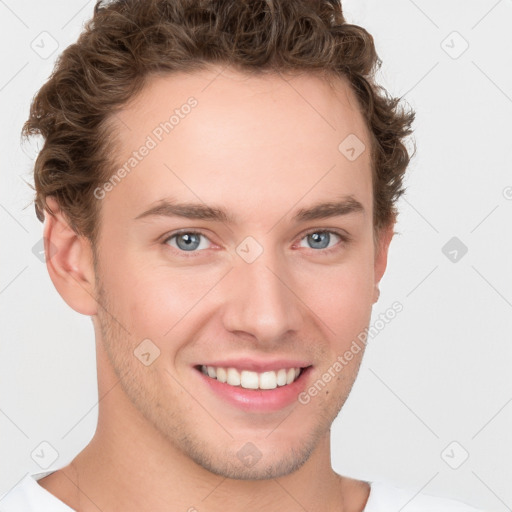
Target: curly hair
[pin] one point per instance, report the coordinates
(127, 41)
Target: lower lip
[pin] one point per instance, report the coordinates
(251, 400)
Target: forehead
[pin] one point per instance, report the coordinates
(220, 134)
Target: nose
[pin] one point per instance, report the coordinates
(261, 300)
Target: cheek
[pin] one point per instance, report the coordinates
(342, 296)
(157, 299)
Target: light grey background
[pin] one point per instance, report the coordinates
(438, 373)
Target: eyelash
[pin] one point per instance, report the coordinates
(345, 239)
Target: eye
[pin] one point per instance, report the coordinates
(188, 241)
(322, 240)
(194, 241)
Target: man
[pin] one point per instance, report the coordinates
(218, 184)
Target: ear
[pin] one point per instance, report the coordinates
(69, 261)
(384, 238)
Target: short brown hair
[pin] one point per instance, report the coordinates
(127, 41)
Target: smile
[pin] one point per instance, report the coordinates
(252, 380)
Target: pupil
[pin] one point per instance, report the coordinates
(189, 240)
(317, 238)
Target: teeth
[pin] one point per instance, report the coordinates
(268, 380)
(233, 377)
(222, 376)
(252, 380)
(249, 380)
(281, 378)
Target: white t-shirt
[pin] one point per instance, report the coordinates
(28, 496)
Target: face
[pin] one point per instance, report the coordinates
(254, 281)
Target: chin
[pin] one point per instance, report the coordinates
(263, 466)
(265, 457)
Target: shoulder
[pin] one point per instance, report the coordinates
(28, 496)
(386, 496)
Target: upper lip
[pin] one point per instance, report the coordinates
(258, 365)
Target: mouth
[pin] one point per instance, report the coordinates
(263, 391)
(248, 379)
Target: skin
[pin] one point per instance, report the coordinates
(163, 437)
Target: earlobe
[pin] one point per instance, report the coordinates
(69, 261)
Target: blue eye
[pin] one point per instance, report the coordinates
(187, 241)
(318, 240)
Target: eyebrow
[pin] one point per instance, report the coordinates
(198, 211)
